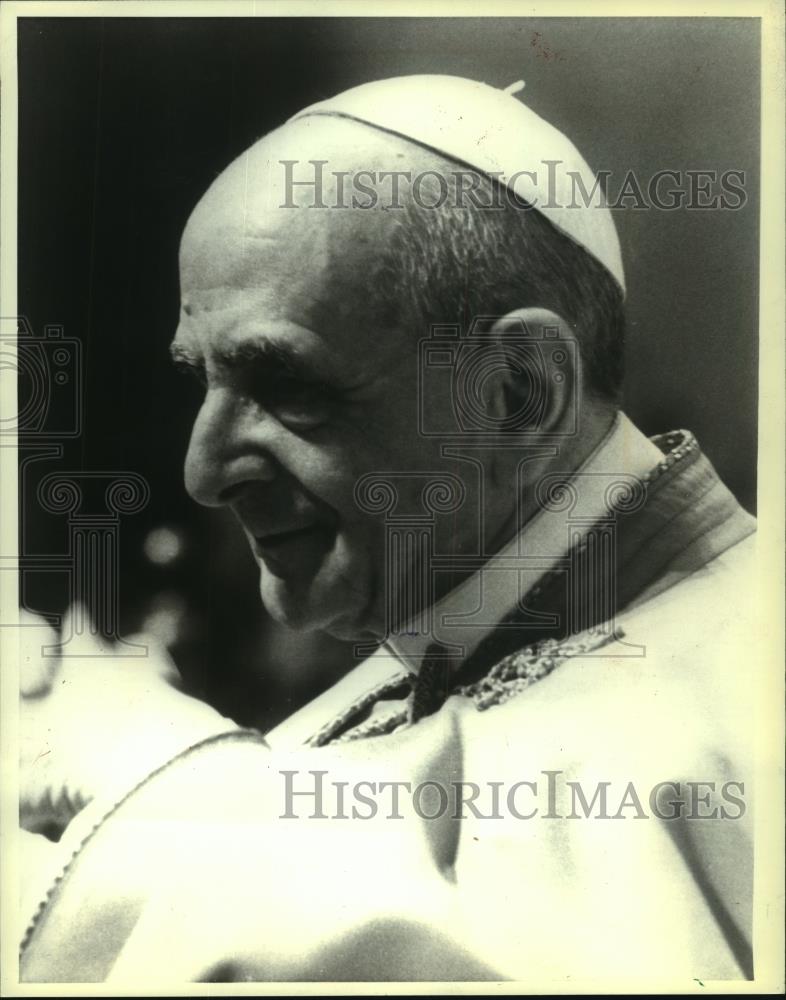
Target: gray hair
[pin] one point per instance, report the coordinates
(460, 260)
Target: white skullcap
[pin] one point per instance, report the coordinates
(492, 132)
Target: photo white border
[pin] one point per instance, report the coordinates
(771, 540)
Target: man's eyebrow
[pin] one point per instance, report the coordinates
(269, 357)
(259, 355)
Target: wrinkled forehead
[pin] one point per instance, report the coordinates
(257, 242)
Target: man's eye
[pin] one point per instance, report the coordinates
(299, 404)
(194, 370)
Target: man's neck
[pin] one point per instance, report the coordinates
(573, 452)
(460, 616)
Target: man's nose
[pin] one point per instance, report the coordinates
(230, 445)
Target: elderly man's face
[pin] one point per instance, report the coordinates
(308, 386)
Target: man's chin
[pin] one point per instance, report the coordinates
(348, 630)
(310, 611)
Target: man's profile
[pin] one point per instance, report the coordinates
(411, 403)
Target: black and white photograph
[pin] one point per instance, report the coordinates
(392, 498)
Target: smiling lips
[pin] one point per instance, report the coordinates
(276, 539)
(285, 550)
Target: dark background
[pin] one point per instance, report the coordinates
(123, 123)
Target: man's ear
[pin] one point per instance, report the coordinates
(536, 388)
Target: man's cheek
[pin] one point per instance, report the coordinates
(329, 467)
(358, 547)
(346, 566)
